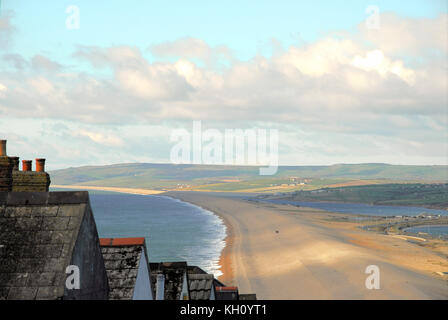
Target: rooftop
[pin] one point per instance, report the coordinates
(201, 286)
(174, 275)
(41, 234)
(122, 241)
(122, 258)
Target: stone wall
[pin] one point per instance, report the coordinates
(88, 258)
(30, 181)
(41, 233)
(5, 173)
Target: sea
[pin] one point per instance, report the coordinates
(362, 208)
(179, 231)
(174, 230)
(434, 230)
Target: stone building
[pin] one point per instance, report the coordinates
(12, 179)
(201, 287)
(170, 280)
(127, 267)
(50, 249)
(43, 237)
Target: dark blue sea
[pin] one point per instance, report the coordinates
(363, 209)
(174, 230)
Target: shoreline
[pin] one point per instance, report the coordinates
(430, 207)
(224, 261)
(111, 189)
(284, 252)
(274, 246)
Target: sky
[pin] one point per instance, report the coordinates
(103, 82)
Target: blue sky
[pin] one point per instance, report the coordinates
(244, 26)
(136, 70)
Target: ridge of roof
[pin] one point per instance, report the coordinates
(226, 288)
(169, 265)
(105, 242)
(43, 198)
(201, 276)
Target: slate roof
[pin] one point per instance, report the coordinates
(201, 286)
(174, 276)
(122, 258)
(197, 270)
(227, 293)
(248, 296)
(39, 234)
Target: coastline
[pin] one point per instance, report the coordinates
(110, 189)
(284, 252)
(224, 262)
(274, 247)
(433, 207)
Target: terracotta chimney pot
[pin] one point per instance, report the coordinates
(40, 165)
(2, 148)
(27, 165)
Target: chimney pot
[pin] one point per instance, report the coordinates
(15, 163)
(2, 148)
(40, 165)
(27, 165)
(160, 287)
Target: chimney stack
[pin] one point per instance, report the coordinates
(160, 287)
(40, 165)
(15, 163)
(5, 169)
(27, 165)
(2, 148)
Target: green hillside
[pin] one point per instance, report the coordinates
(233, 178)
(429, 195)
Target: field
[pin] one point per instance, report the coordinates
(245, 178)
(428, 195)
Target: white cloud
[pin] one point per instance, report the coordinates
(2, 90)
(408, 36)
(376, 61)
(337, 86)
(104, 139)
(192, 48)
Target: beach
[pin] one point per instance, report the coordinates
(110, 189)
(286, 252)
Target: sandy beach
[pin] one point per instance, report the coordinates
(285, 252)
(110, 189)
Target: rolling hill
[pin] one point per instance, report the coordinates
(238, 178)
